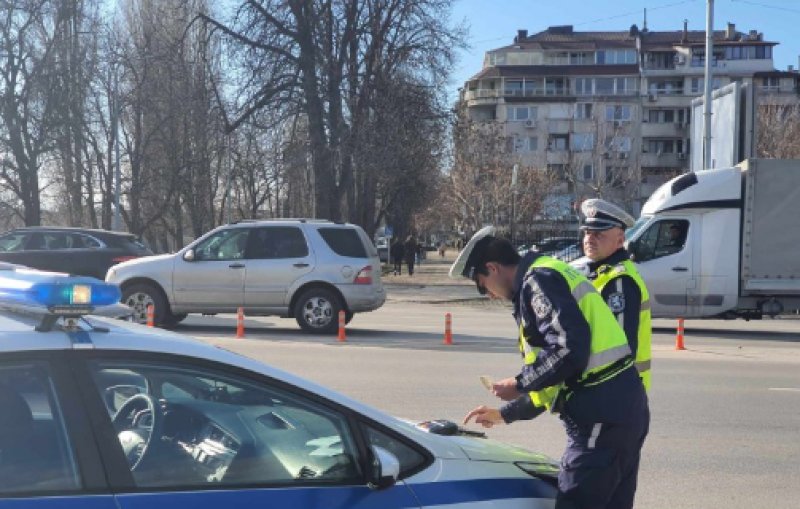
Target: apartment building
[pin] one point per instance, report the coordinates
(610, 112)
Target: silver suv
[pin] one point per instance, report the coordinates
(303, 268)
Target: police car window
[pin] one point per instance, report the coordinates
(409, 457)
(35, 454)
(194, 427)
(662, 238)
(223, 245)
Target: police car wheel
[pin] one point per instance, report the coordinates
(138, 297)
(317, 311)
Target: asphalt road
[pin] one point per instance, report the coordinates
(725, 413)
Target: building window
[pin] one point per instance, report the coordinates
(604, 86)
(558, 142)
(526, 144)
(659, 147)
(621, 113)
(513, 88)
(583, 110)
(665, 116)
(583, 142)
(748, 52)
(665, 87)
(610, 57)
(699, 58)
(771, 84)
(522, 113)
(588, 172)
(555, 86)
(619, 143)
(583, 86)
(558, 170)
(698, 85)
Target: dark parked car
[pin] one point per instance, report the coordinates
(79, 251)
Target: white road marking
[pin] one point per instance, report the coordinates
(785, 389)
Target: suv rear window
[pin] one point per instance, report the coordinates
(132, 245)
(344, 242)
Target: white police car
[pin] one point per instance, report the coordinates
(101, 413)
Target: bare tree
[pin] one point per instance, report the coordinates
(325, 58)
(778, 130)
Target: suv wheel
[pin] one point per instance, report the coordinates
(317, 311)
(139, 296)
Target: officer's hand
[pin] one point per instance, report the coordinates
(506, 389)
(485, 416)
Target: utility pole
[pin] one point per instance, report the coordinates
(707, 163)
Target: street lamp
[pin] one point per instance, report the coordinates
(514, 173)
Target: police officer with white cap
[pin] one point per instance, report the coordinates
(577, 363)
(616, 278)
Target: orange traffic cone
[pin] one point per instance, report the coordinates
(448, 333)
(240, 323)
(341, 327)
(151, 312)
(679, 337)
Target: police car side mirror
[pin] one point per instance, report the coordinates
(189, 255)
(384, 469)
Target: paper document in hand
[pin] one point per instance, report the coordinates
(487, 381)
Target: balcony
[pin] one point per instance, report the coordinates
(665, 159)
(665, 129)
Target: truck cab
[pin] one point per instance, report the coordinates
(686, 244)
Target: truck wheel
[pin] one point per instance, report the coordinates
(139, 296)
(317, 311)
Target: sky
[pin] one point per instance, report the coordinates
(494, 23)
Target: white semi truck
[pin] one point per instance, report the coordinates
(722, 243)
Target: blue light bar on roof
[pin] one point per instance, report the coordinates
(55, 293)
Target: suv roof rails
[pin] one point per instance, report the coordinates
(299, 219)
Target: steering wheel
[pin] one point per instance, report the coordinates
(137, 438)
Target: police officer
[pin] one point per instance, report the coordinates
(616, 278)
(577, 364)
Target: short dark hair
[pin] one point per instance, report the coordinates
(499, 251)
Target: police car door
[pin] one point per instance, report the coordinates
(48, 457)
(181, 433)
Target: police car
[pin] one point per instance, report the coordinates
(101, 413)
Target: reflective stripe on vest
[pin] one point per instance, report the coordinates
(607, 274)
(608, 341)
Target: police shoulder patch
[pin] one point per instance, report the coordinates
(541, 305)
(620, 269)
(616, 302)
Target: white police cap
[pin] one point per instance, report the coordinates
(470, 257)
(602, 215)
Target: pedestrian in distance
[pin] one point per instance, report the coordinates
(442, 249)
(410, 249)
(577, 364)
(397, 252)
(614, 275)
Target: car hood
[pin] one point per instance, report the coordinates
(484, 449)
(145, 260)
(477, 448)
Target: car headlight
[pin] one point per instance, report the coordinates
(545, 471)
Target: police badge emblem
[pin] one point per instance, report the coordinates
(541, 305)
(616, 302)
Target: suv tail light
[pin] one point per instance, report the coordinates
(120, 259)
(364, 276)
